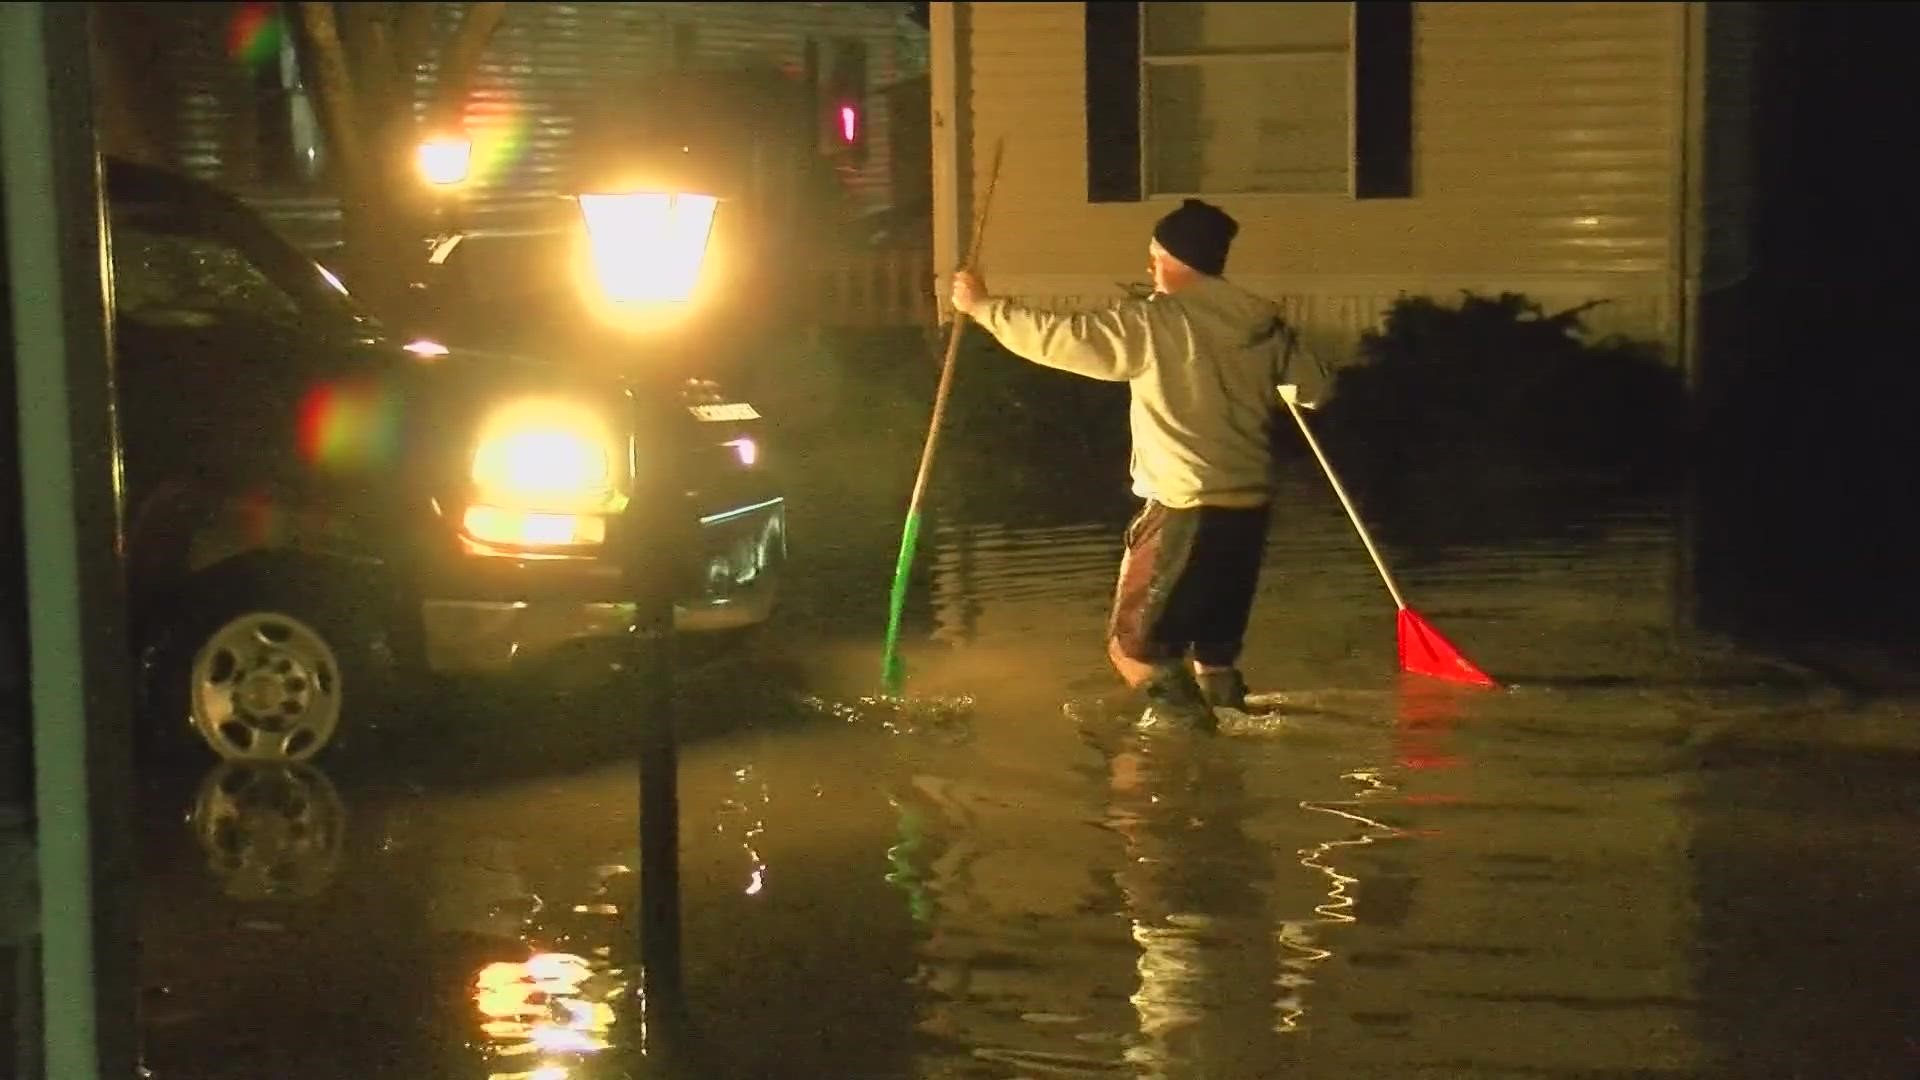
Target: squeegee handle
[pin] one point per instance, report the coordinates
(1288, 398)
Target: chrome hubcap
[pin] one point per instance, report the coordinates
(266, 687)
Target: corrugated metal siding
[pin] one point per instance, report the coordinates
(1732, 32)
(1545, 148)
(552, 64)
(548, 64)
(208, 113)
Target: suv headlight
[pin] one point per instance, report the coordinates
(536, 463)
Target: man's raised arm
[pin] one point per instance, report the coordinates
(1110, 343)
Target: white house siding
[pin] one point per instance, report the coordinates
(1546, 151)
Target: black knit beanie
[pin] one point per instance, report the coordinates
(1198, 234)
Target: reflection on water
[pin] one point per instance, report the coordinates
(1366, 875)
(745, 819)
(992, 580)
(566, 997)
(543, 1015)
(269, 832)
(1298, 936)
(546, 980)
(1279, 881)
(1197, 892)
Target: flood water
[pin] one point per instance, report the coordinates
(1651, 855)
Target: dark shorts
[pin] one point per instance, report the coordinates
(1187, 583)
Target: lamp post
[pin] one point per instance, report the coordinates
(648, 248)
(646, 256)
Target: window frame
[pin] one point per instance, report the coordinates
(1379, 93)
(1213, 59)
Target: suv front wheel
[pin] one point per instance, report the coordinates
(265, 685)
(264, 666)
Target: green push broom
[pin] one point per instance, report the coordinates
(892, 671)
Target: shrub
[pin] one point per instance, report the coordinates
(1500, 380)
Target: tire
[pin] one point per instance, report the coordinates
(264, 666)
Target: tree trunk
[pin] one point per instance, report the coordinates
(362, 59)
(460, 58)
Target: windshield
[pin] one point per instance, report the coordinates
(176, 262)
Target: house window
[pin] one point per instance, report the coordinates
(1248, 98)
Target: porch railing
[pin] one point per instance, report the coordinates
(874, 288)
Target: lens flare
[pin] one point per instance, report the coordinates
(349, 425)
(261, 518)
(499, 128)
(254, 36)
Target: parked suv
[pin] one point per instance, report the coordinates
(315, 505)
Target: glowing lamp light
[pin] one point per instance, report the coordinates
(544, 464)
(444, 159)
(849, 123)
(426, 349)
(648, 247)
(517, 528)
(543, 476)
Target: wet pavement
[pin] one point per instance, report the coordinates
(1651, 855)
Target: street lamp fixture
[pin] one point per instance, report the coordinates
(648, 247)
(445, 159)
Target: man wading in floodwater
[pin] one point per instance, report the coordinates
(1201, 357)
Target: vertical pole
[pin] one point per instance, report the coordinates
(69, 457)
(663, 1000)
(947, 54)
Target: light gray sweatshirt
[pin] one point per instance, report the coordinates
(1202, 365)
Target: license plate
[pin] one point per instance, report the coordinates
(731, 411)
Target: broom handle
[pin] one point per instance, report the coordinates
(1353, 514)
(953, 339)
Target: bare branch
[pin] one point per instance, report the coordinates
(460, 58)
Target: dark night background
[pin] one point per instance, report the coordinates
(1801, 517)
(1809, 435)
